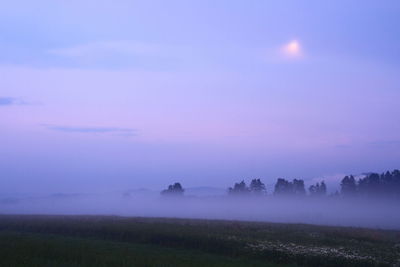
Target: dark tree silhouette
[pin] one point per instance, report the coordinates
(282, 187)
(313, 189)
(294, 188)
(298, 187)
(395, 183)
(173, 190)
(257, 187)
(373, 185)
(369, 186)
(239, 189)
(386, 185)
(317, 190)
(323, 189)
(348, 186)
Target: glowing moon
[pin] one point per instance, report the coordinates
(292, 49)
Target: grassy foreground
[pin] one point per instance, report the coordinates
(50, 250)
(119, 241)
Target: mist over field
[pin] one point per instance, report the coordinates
(99, 97)
(373, 213)
(200, 133)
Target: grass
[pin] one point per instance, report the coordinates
(120, 241)
(41, 250)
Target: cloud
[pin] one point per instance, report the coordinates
(93, 130)
(385, 143)
(116, 55)
(11, 101)
(7, 101)
(95, 49)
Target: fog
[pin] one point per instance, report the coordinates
(323, 211)
(100, 96)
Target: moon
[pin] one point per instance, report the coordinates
(292, 49)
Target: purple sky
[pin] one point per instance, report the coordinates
(110, 95)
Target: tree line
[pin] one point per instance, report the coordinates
(372, 185)
(385, 185)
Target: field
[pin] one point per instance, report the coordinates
(121, 241)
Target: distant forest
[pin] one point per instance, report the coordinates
(373, 185)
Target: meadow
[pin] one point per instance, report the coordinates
(42, 240)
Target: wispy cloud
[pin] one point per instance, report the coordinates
(384, 143)
(107, 48)
(93, 130)
(117, 54)
(7, 101)
(16, 101)
(10, 101)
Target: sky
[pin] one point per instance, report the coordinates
(110, 95)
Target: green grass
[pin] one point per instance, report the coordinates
(119, 241)
(41, 250)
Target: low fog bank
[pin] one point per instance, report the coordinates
(372, 213)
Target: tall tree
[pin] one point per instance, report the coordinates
(313, 190)
(298, 187)
(294, 188)
(322, 189)
(372, 185)
(317, 190)
(396, 183)
(257, 187)
(282, 187)
(348, 186)
(175, 189)
(239, 189)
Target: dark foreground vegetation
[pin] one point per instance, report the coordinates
(119, 241)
